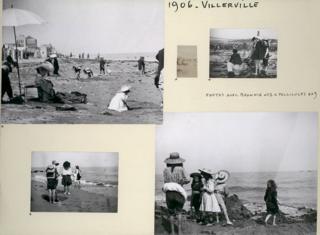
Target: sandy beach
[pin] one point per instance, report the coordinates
(244, 222)
(144, 99)
(78, 201)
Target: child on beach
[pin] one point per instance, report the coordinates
(221, 192)
(270, 198)
(77, 176)
(66, 177)
(196, 187)
(52, 181)
(234, 64)
(209, 203)
(119, 101)
(142, 65)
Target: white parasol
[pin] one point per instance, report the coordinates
(13, 17)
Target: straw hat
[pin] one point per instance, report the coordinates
(125, 88)
(53, 56)
(222, 176)
(174, 159)
(207, 171)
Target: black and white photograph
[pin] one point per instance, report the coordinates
(74, 182)
(243, 53)
(236, 173)
(187, 62)
(78, 61)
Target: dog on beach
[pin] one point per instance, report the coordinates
(77, 71)
(89, 72)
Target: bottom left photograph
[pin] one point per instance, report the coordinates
(74, 182)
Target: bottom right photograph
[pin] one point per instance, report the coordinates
(237, 173)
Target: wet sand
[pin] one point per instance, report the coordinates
(78, 201)
(145, 98)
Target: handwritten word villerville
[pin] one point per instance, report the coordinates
(207, 4)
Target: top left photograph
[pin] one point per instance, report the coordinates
(82, 62)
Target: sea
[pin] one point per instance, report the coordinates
(148, 56)
(93, 179)
(295, 189)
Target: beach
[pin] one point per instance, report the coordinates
(144, 99)
(297, 194)
(97, 193)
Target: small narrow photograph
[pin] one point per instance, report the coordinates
(82, 62)
(74, 182)
(236, 173)
(243, 53)
(187, 62)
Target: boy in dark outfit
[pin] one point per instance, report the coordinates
(195, 201)
(270, 198)
(102, 64)
(5, 80)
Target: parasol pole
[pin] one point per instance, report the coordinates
(15, 40)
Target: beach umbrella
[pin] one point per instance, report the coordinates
(13, 17)
(66, 165)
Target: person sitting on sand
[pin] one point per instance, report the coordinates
(66, 177)
(142, 65)
(102, 64)
(119, 101)
(195, 201)
(270, 198)
(209, 203)
(234, 64)
(221, 192)
(77, 176)
(174, 178)
(52, 181)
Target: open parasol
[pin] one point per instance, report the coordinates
(13, 17)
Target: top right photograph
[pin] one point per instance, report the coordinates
(243, 53)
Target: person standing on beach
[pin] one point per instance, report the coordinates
(159, 78)
(174, 178)
(77, 176)
(209, 203)
(102, 65)
(55, 66)
(270, 198)
(52, 181)
(5, 79)
(220, 191)
(142, 65)
(66, 177)
(195, 202)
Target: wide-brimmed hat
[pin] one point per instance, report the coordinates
(222, 176)
(195, 174)
(207, 171)
(174, 159)
(125, 88)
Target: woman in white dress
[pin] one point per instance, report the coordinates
(209, 203)
(119, 101)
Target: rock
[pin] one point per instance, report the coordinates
(236, 209)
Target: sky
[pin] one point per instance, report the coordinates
(82, 159)
(239, 142)
(242, 33)
(94, 26)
